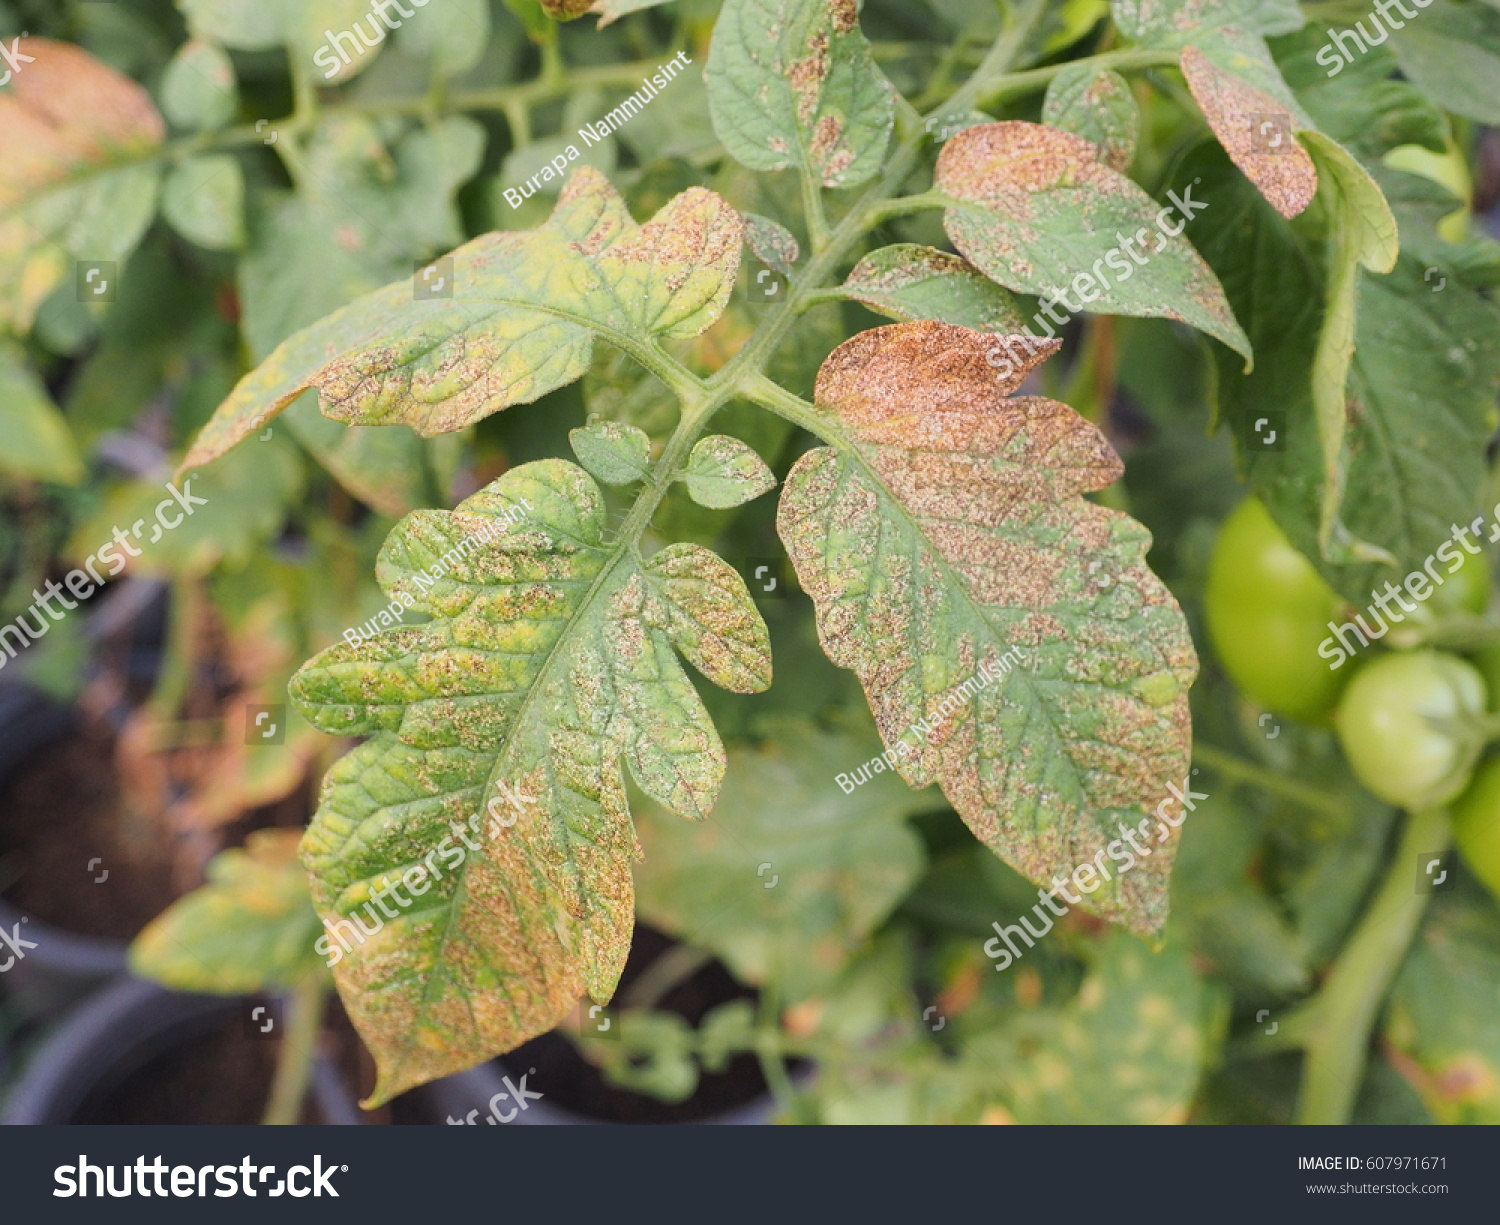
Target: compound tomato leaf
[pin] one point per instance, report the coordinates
(1036, 210)
(792, 83)
(1012, 643)
(723, 472)
(908, 281)
(520, 321)
(250, 928)
(1096, 104)
(493, 783)
(72, 131)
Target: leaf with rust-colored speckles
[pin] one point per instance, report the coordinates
(909, 281)
(250, 928)
(520, 322)
(493, 780)
(1012, 643)
(1036, 210)
(723, 472)
(1096, 104)
(792, 83)
(70, 128)
(774, 245)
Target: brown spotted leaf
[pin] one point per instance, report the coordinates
(1013, 645)
(909, 281)
(520, 322)
(1036, 210)
(492, 788)
(792, 83)
(1233, 78)
(1096, 104)
(73, 132)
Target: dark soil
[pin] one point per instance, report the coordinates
(59, 812)
(574, 1084)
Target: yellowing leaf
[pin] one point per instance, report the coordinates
(250, 928)
(520, 321)
(65, 122)
(1012, 644)
(499, 735)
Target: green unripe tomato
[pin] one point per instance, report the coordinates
(1409, 724)
(1476, 825)
(1268, 610)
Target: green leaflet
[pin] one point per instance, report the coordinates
(908, 281)
(250, 928)
(774, 245)
(204, 199)
(1037, 211)
(613, 453)
(1098, 106)
(520, 323)
(497, 737)
(1452, 54)
(1364, 236)
(453, 34)
(198, 89)
(38, 443)
(792, 873)
(723, 472)
(946, 540)
(793, 83)
(305, 27)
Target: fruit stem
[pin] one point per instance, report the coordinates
(1238, 770)
(1344, 1011)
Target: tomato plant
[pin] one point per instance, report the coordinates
(755, 469)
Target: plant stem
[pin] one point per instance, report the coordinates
(1039, 78)
(1344, 1011)
(304, 1017)
(1238, 770)
(676, 965)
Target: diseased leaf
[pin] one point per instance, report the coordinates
(1130, 1047)
(1098, 106)
(722, 472)
(250, 928)
(1445, 1009)
(792, 83)
(791, 873)
(520, 323)
(908, 281)
(1037, 211)
(70, 128)
(613, 453)
(37, 443)
(774, 245)
(1233, 78)
(499, 733)
(612, 10)
(1011, 642)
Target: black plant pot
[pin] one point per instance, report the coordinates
(116, 1033)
